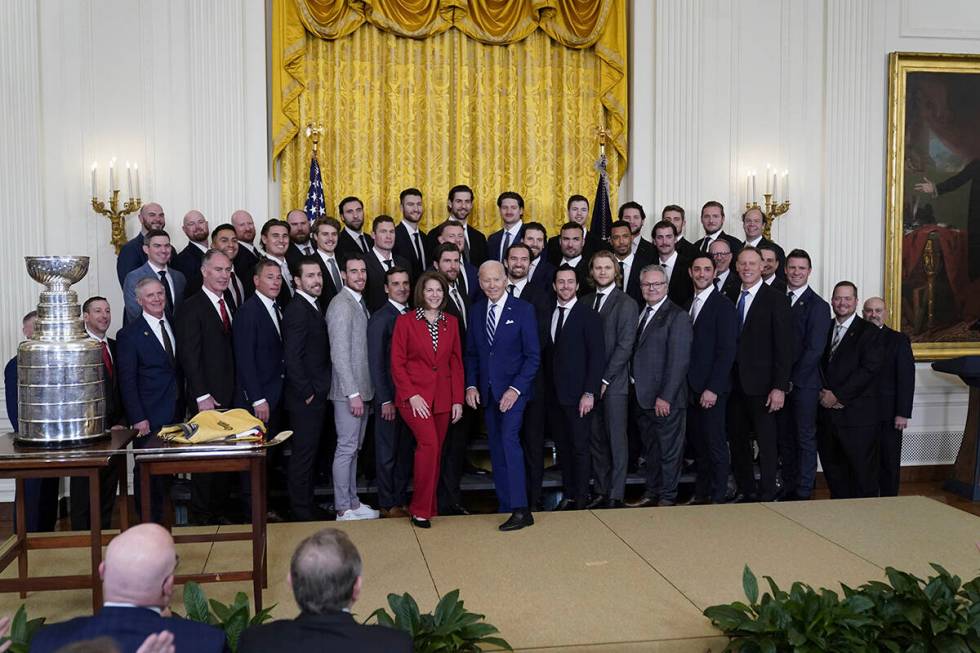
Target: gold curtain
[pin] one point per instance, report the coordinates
(449, 106)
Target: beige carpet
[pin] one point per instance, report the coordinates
(605, 581)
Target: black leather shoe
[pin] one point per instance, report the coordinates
(418, 522)
(566, 504)
(598, 501)
(741, 498)
(694, 501)
(645, 502)
(614, 504)
(456, 509)
(519, 519)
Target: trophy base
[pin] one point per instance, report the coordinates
(61, 443)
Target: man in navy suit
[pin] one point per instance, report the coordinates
(275, 244)
(132, 255)
(798, 423)
(502, 357)
(896, 390)
(138, 585)
(300, 243)
(188, 261)
(577, 210)
(540, 272)
(574, 356)
(409, 238)
(248, 255)
(629, 259)
(634, 216)
(159, 251)
(726, 281)
(679, 288)
(224, 240)
(675, 215)
(459, 205)
(713, 221)
(149, 375)
(325, 233)
(709, 380)
(379, 260)
(511, 208)
(572, 241)
(352, 239)
(454, 232)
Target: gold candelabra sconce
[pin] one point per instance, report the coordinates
(116, 215)
(776, 186)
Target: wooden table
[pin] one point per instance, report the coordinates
(24, 462)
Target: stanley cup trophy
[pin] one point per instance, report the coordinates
(61, 400)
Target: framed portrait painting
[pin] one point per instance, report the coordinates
(932, 234)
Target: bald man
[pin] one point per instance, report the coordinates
(132, 256)
(137, 584)
(188, 261)
(247, 257)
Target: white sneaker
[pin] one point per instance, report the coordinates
(348, 515)
(364, 511)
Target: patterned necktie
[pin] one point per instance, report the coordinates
(741, 309)
(838, 336)
(503, 250)
(168, 346)
(364, 307)
(491, 323)
(418, 249)
(166, 289)
(335, 273)
(225, 320)
(559, 324)
(278, 311)
(622, 275)
(459, 304)
(643, 322)
(107, 359)
(597, 304)
(695, 308)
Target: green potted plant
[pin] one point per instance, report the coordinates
(233, 618)
(21, 631)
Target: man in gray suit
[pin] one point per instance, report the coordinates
(661, 355)
(619, 318)
(350, 386)
(156, 246)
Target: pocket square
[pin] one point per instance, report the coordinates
(508, 322)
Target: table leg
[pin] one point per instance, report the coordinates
(120, 462)
(265, 523)
(95, 523)
(21, 533)
(258, 529)
(145, 491)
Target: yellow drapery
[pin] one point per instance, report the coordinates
(449, 106)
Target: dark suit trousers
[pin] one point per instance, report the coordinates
(393, 447)
(572, 438)
(706, 427)
(889, 458)
(79, 503)
(532, 440)
(748, 414)
(609, 446)
(506, 455)
(663, 446)
(849, 456)
(797, 445)
(41, 504)
(429, 436)
(454, 461)
(159, 488)
(307, 421)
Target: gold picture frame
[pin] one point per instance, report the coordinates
(932, 258)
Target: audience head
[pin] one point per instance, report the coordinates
(604, 269)
(535, 237)
(139, 566)
(244, 226)
(224, 239)
(383, 228)
(268, 278)
(621, 238)
(565, 283)
(27, 324)
(749, 266)
(325, 573)
(702, 271)
(492, 280)
(721, 253)
(275, 238)
(653, 284)
(352, 212)
(216, 271)
(411, 201)
(325, 232)
(753, 221)
(770, 259)
(299, 226)
(511, 207)
(844, 300)
(460, 202)
(712, 217)
(518, 261)
(452, 232)
(97, 315)
(798, 268)
(152, 217)
(431, 291)
(398, 285)
(151, 297)
(675, 214)
(307, 275)
(355, 272)
(571, 239)
(156, 246)
(874, 311)
(447, 259)
(577, 209)
(633, 214)
(665, 238)
(196, 227)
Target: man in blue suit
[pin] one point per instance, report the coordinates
(132, 255)
(541, 271)
(511, 208)
(149, 376)
(798, 425)
(157, 266)
(138, 584)
(709, 379)
(502, 357)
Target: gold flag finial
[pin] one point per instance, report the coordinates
(313, 131)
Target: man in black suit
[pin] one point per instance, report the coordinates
(248, 255)
(275, 243)
(467, 281)
(459, 204)
(713, 220)
(224, 240)
(325, 576)
(896, 390)
(572, 240)
(726, 279)
(409, 238)
(353, 239)
(771, 263)
(679, 288)
(393, 442)
(847, 433)
(132, 255)
(633, 214)
(675, 215)
(629, 260)
(188, 261)
(511, 208)
(325, 234)
(753, 223)
(307, 354)
(577, 210)
(517, 264)
(541, 272)
(761, 377)
(204, 346)
(299, 236)
(379, 260)
(97, 317)
(709, 380)
(573, 359)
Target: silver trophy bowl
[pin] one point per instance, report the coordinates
(61, 392)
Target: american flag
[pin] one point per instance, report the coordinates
(314, 198)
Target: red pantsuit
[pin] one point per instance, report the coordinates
(436, 375)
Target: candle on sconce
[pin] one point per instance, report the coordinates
(753, 186)
(112, 175)
(768, 180)
(775, 186)
(129, 179)
(748, 188)
(785, 185)
(137, 168)
(95, 180)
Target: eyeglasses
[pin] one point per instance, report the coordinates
(653, 284)
(720, 254)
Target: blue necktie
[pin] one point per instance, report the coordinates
(491, 324)
(741, 309)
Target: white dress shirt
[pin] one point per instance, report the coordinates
(554, 314)
(698, 302)
(722, 278)
(514, 230)
(101, 340)
(154, 323)
(754, 242)
(249, 246)
(519, 285)
(270, 307)
(308, 297)
(571, 262)
(381, 258)
(797, 293)
(748, 298)
(287, 276)
(627, 267)
(656, 307)
(214, 302)
(669, 265)
(602, 294)
(170, 277)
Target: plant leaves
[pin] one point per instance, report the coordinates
(196, 603)
(750, 585)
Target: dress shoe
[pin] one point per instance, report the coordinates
(666, 503)
(694, 501)
(395, 512)
(419, 522)
(598, 501)
(519, 519)
(740, 498)
(614, 504)
(455, 509)
(645, 502)
(566, 504)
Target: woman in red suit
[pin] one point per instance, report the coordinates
(427, 368)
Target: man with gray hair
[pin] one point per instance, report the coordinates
(325, 576)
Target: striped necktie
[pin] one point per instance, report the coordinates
(491, 323)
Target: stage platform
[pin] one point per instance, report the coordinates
(610, 580)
